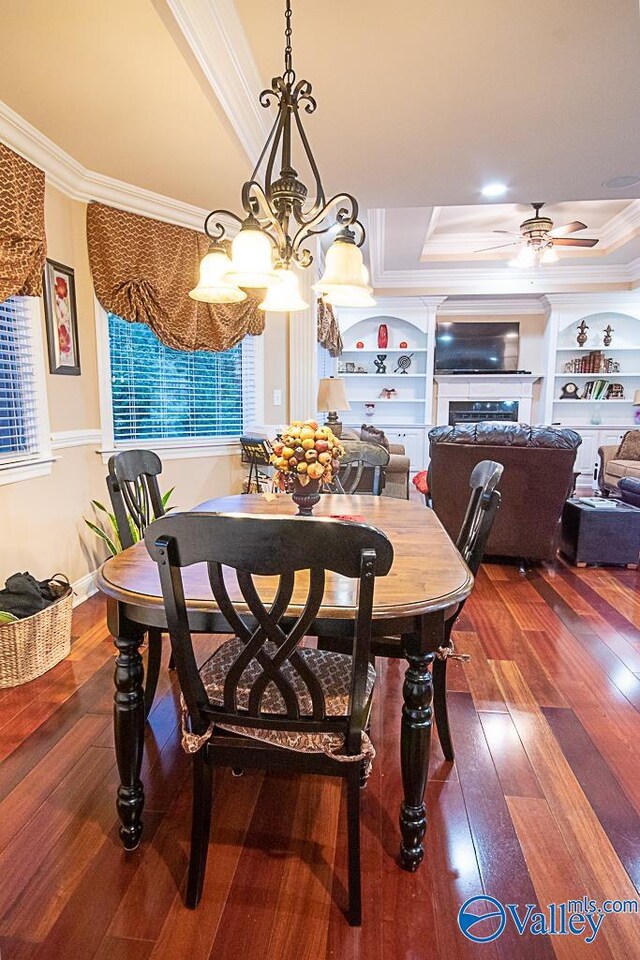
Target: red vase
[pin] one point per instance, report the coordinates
(383, 336)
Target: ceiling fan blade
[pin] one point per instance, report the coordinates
(567, 228)
(573, 242)
(513, 233)
(500, 246)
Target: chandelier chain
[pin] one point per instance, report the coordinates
(289, 73)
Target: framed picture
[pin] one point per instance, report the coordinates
(62, 320)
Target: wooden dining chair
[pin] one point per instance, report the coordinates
(260, 700)
(135, 496)
(362, 468)
(471, 543)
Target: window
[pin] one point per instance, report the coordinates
(24, 434)
(162, 394)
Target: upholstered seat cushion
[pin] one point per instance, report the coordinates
(623, 468)
(333, 671)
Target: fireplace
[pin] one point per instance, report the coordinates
(473, 411)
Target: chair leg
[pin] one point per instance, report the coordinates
(440, 707)
(353, 831)
(153, 668)
(200, 828)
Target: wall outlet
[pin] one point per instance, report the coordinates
(277, 398)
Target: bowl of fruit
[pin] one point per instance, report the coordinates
(306, 457)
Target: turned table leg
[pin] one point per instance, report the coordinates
(128, 720)
(415, 736)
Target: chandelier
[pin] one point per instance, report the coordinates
(279, 219)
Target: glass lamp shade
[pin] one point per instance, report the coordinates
(549, 256)
(351, 296)
(213, 286)
(251, 259)
(525, 258)
(284, 297)
(343, 266)
(332, 395)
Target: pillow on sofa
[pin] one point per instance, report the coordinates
(372, 434)
(629, 448)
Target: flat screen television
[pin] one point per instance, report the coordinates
(483, 347)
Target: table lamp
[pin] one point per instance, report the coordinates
(636, 403)
(331, 398)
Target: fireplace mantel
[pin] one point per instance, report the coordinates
(485, 386)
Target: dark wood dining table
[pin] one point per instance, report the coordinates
(426, 582)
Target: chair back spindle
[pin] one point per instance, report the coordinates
(133, 488)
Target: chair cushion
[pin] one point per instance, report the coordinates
(629, 448)
(623, 468)
(333, 671)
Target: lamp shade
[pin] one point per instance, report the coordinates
(251, 257)
(332, 395)
(213, 286)
(636, 399)
(343, 264)
(284, 297)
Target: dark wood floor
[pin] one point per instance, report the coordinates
(541, 805)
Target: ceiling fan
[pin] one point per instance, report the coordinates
(538, 237)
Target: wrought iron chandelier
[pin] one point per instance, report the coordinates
(279, 219)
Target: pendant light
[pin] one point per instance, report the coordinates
(212, 286)
(279, 215)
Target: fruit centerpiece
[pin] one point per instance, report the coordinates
(306, 456)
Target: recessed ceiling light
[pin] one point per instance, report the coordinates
(620, 183)
(494, 190)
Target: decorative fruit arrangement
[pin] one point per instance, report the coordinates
(306, 452)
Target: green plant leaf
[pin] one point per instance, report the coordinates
(165, 497)
(99, 532)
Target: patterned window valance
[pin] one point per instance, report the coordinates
(23, 246)
(143, 270)
(328, 330)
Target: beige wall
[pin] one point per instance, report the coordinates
(41, 519)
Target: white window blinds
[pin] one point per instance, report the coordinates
(163, 394)
(19, 414)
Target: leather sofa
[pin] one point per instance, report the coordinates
(613, 469)
(396, 473)
(538, 477)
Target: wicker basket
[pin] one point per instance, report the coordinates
(33, 645)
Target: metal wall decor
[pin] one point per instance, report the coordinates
(276, 206)
(404, 362)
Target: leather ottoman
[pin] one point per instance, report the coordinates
(604, 536)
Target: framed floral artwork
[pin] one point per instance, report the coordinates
(62, 320)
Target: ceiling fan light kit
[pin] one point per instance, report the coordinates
(278, 220)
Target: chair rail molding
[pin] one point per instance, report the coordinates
(64, 173)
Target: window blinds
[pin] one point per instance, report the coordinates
(19, 420)
(162, 394)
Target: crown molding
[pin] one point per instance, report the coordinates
(621, 228)
(64, 173)
(214, 32)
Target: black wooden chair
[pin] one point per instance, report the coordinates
(135, 497)
(362, 468)
(471, 542)
(260, 700)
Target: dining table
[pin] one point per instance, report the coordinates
(427, 581)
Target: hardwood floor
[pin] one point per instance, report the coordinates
(542, 804)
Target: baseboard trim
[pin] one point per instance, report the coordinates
(85, 587)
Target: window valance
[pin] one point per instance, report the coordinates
(23, 246)
(143, 270)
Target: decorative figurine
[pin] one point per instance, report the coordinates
(369, 409)
(404, 362)
(582, 333)
(570, 392)
(379, 364)
(608, 330)
(359, 345)
(383, 337)
(403, 345)
(615, 391)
